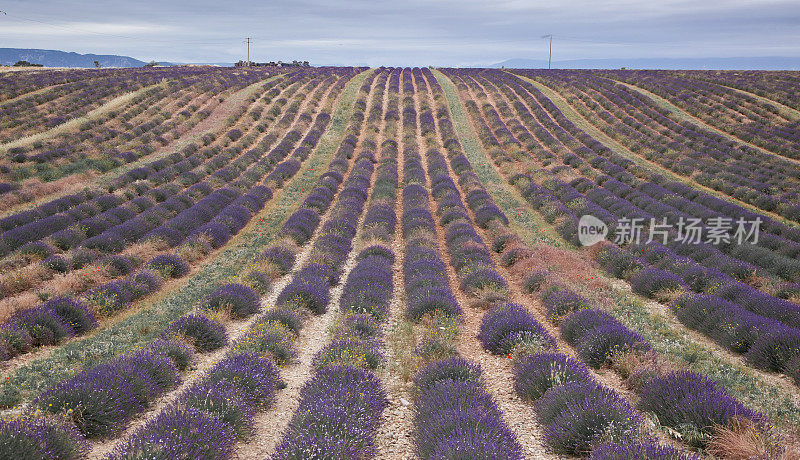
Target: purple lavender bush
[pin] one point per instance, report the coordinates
(180, 353)
(56, 263)
(359, 326)
(509, 324)
(224, 402)
(169, 266)
(338, 417)
(575, 326)
(179, 433)
(144, 282)
(585, 420)
(537, 373)
(603, 343)
(349, 351)
(14, 341)
(560, 302)
(269, 338)
(692, 404)
(80, 319)
(429, 299)
(102, 399)
(651, 282)
(455, 368)
(240, 300)
(202, 333)
(449, 412)
(774, 349)
(626, 450)
(255, 375)
(42, 325)
(289, 318)
(309, 289)
(41, 438)
(368, 287)
(578, 414)
(111, 297)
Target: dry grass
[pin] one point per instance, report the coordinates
(488, 296)
(76, 281)
(222, 316)
(33, 190)
(24, 279)
(565, 267)
(11, 305)
(145, 251)
(741, 439)
(370, 240)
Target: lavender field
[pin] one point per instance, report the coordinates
(348, 263)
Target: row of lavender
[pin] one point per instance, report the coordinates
(149, 118)
(507, 327)
(213, 167)
(454, 416)
(749, 119)
(226, 214)
(245, 380)
(340, 406)
(776, 250)
(27, 115)
(576, 411)
(218, 408)
(742, 328)
(734, 168)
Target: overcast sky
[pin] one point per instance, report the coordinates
(404, 32)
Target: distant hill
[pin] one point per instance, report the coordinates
(55, 58)
(734, 63)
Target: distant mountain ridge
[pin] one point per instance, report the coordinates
(55, 58)
(733, 63)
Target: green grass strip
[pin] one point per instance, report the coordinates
(510, 201)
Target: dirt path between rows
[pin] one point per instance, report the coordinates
(394, 439)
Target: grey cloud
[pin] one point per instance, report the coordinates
(415, 32)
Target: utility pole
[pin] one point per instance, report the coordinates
(550, 56)
(248, 51)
